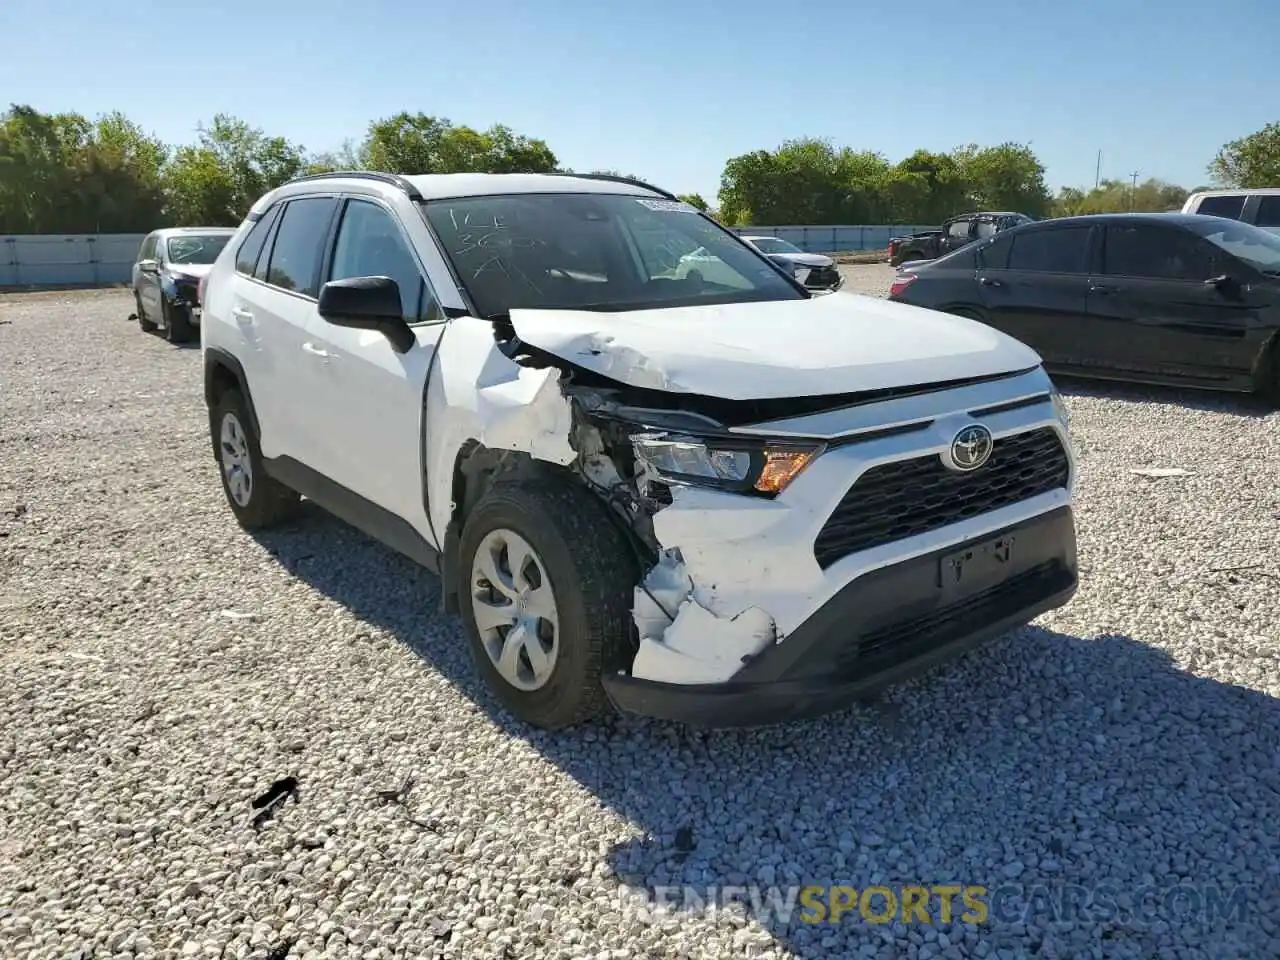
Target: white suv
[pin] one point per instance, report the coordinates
(721, 503)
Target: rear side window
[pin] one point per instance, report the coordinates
(959, 229)
(1050, 251)
(1268, 212)
(251, 246)
(1155, 253)
(1230, 206)
(299, 245)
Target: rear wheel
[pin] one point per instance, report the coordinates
(1269, 373)
(257, 500)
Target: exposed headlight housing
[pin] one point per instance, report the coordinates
(741, 465)
(1060, 407)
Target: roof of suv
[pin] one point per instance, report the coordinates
(442, 186)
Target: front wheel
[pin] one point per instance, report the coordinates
(177, 322)
(547, 599)
(147, 326)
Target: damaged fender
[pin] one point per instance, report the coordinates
(477, 393)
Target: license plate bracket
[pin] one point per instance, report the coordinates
(977, 566)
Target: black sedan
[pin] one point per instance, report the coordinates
(1155, 298)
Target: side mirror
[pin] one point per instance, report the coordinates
(149, 266)
(367, 303)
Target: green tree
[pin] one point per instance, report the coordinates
(215, 181)
(1005, 177)
(1116, 196)
(694, 200)
(37, 156)
(1251, 161)
(419, 144)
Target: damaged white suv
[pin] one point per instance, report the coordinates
(721, 500)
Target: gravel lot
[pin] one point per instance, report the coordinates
(161, 669)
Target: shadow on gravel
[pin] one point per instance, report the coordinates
(1044, 767)
(1252, 406)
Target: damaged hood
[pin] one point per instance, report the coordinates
(841, 343)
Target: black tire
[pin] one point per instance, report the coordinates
(1269, 387)
(269, 502)
(147, 326)
(177, 322)
(968, 314)
(592, 575)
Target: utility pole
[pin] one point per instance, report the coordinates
(1134, 189)
(1097, 176)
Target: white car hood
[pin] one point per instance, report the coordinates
(196, 270)
(840, 343)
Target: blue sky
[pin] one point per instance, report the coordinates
(670, 91)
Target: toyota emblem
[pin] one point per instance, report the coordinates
(970, 449)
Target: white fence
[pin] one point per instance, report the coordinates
(107, 258)
(68, 259)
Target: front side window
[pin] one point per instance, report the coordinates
(299, 245)
(596, 251)
(1257, 247)
(195, 248)
(1061, 250)
(958, 230)
(1231, 206)
(370, 244)
(986, 228)
(148, 250)
(1154, 253)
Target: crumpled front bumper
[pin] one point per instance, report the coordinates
(880, 629)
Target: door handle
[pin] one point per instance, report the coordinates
(241, 314)
(1101, 288)
(988, 282)
(312, 349)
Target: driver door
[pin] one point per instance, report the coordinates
(370, 401)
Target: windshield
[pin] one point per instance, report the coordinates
(196, 248)
(1256, 247)
(594, 251)
(774, 245)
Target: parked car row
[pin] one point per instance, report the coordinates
(1160, 298)
(654, 467)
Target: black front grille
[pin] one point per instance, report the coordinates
(895, 643)
(909, 497)
(822, 277)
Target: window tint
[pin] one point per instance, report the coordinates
(299, 245)
(1154, 253)
(1060, 250)
(958, 229)
(1231, 206)
(370, 245)
(1268, 212)
(995, 255)
(251, 245)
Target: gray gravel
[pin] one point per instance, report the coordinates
(161, 669)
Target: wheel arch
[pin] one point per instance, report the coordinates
(476, 468)
(223, 372)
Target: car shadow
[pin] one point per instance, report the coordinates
(1248, 405)
(1101, 742)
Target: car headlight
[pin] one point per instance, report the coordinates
(741, 465)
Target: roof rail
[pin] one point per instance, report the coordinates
(616, 179)
(392, 178)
